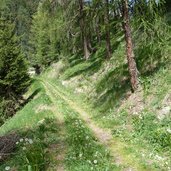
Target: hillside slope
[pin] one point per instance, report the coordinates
(127, 131)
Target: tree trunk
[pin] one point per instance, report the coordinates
(83, 31)
(98, 30)
(129, 47)
(107, 29)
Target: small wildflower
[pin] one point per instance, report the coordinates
(30, 141)
(143, 155)
(21, 140)
(95, 161)
(89, 161)
(7, 168)
(26, 139)
(24, 148)
(80, 155)
(17, 143)
(168, 130)
(87, 137)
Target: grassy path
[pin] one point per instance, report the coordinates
(61, 146)
(104, 136)
(94, 155)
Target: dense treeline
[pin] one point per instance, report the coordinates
(15, 20)
(86, 29)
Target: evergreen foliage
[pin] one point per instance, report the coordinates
(44, 45)
(14, 78)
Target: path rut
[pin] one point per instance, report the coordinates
(61, 146)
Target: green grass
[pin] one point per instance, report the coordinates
(147, 138)
(84, 151)
(38, 124)
(29, 116)
(32, 150)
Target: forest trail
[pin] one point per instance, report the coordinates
(58, 155)
(104, 136)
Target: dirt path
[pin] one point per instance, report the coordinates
(103, 135)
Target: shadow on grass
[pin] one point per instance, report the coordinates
(31, 150)
(89, 67)
(112, 88)
(31, 97)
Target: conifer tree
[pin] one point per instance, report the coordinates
(14, 78)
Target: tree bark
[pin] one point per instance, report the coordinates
(98, 30)
(129, 48)
(83, 31)
(107, 29)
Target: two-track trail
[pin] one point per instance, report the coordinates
(58, 150)
(104, 136)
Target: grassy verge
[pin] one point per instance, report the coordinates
(33, 112)
(38, 130)
(32, 149)
(147, 137)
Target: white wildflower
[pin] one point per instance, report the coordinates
(7, 168)
(80, 155)
(95, 161)
(17, 143)
(87, 137)
(21, 140)
(24, 148)
(30, 141)
(89, 161)
(26, 139)
(169, 131)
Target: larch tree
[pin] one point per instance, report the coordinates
(133, 71)
(83, 30)
(107, 29)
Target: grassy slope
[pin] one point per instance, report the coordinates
(103, 90)
(133, 119)
(35, 122)
(30, 115)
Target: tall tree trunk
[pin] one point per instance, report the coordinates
(98, 30)
(129, 47)
(107, 29)
(83, 31)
